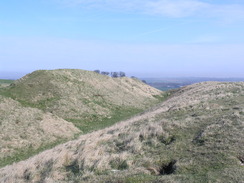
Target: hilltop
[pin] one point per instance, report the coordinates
(48, 107)
(196, 135)
(82, 97)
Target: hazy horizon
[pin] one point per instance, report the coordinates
(18, 75)
(147, 38)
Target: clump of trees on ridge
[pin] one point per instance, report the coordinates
(116, 74)
(112, 74)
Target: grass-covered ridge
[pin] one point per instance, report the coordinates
(81, 95)
(45, 108)
(196, 135)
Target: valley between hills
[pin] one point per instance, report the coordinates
(80, 126)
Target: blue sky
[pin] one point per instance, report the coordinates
(146, 38)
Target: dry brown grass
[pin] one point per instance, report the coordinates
(35, 109)
(199, 130)
(25, 127)
(79, 94)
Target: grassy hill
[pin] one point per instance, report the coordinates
(83, 97)
(45, 108)
(196, 135)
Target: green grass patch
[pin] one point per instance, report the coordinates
(135, 178)
(119, 164)
(163, 96)
(139, 178)
(26, 153)
(96, 123)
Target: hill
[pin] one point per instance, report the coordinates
(83, 97)
(45, 108)
(196, 135)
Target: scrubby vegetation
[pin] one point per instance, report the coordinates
(196, 135)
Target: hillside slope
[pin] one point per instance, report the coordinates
(45, 108)
(83, 97)
(194, 136)
(23, 128)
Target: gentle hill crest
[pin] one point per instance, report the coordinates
(82, 96)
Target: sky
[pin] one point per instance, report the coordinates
(145, 38)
